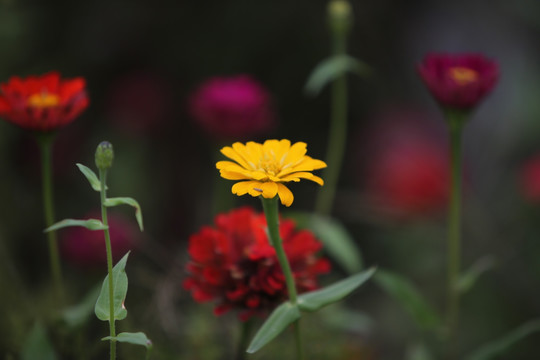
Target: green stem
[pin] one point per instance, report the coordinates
(455, 122)
(298, 338)
(45, 142)
(112, 330)
(271, 213)
(338, 133)
(244, 338)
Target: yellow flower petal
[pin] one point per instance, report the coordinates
(307, 164)
(243, 187)
(269, 189)
(230, 175)
(296, 153)
(232, 154)
(303, 175)
(285, 195)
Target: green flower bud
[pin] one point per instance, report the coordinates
(104, 155)
(340, 16)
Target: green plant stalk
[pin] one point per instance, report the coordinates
(112, 330)
(455, 123)
(338, 133)
(271, 213)
(45, 142)
(244, 339)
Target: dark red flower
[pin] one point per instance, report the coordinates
(530, 179)
(232, 107)
(86, 248)
(459, 81)
(42, 103)
(233, 263)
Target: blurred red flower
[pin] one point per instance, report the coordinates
(459, 81)
(42, 103)
(86, 248)
(235, 107)
(407, 173)
(530, 179)
(233, 263)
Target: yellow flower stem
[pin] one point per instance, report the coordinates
(338, 132)
(45, 141)
(112, 330)
(271, 213)
(455, 123)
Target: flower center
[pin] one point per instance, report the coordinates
(462, 75)
(269, 165)
(43, 100)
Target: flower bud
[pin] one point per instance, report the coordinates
(340, 16)
(104, 155)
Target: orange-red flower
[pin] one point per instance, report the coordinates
(459, 81)
(42, 103)
(233, 263)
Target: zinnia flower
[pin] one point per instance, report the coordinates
(42, 103)
(235, 107)
(459, 81)
(86, 248)
(265, 167)
(234, 264)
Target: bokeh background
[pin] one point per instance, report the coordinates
(142, 61)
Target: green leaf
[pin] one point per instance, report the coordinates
(338, 243)
(127, 201)
(138, 338)
(409, 297)
(91, 177)
(314, 300)
(37, 345)
(469, 278)
(281, 317)
(78, 315)
(418, 352)
(331, 68)
(120, 282)
(90, 224)
(495, 348)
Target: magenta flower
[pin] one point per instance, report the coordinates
(459, 81)
(529, 177)
(235, 107)
(85, 248)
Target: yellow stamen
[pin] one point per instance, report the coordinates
(43, 100)
(462, 75)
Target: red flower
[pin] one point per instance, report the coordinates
(459, 81)
(86, 248)
(232, 107)
(42, 103)
(407, 165)
(234, 264)
(530, 179)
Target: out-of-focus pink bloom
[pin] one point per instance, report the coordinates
(459, 81)
(86, 248)
(407, 170)
(235, 107)
(139, 103)
(530, 179)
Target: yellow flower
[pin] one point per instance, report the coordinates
(265, 167)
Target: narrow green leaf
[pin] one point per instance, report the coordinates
(37, 345)
(127, 201)
(77, 315)
(120, 281)
(281, 317)
(314, 300)
(138, 338)
(495, 348)
(338, 243)
(91, 177)
(469, 277)
(409, 297)
(90, 224)
(331, 68)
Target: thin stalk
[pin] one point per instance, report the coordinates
(455, 123)
(244, 339)
(45, 142)
(338, 133)
(112, 330)
(271, 213)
